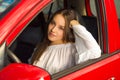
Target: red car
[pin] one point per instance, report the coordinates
(22, 26)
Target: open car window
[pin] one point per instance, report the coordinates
(6, 6)
(24, 45)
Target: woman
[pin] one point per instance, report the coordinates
(67, 43)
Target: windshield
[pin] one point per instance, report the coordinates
(6, 6)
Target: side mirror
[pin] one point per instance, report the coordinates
(21, 71)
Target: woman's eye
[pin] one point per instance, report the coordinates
(52, 22)
(61, 28)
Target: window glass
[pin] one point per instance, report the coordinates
(93, 7)
(6, 6)
(117, 3)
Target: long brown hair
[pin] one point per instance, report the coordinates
(68, 15)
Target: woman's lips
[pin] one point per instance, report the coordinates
(52, 34)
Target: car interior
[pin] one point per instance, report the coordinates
(25, 44)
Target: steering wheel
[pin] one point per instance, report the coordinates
(13, 56)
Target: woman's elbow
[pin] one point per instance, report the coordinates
(97, 53)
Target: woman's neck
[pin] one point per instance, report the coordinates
(57, 43)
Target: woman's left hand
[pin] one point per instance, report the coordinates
(74, 22)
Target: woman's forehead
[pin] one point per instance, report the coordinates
(59, 19)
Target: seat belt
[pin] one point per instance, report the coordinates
(50, 10)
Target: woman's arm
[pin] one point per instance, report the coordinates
(86, 45)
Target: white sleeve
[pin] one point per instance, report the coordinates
(86, 45)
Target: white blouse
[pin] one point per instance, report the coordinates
(63, 56)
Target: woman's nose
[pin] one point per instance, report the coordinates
(54, 29)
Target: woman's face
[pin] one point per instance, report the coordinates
(56, 29)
